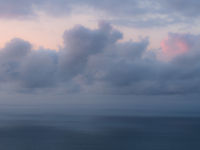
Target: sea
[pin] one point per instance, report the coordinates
(99, 123)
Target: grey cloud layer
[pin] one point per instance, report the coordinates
(93, 61)
(12, 8)
(183, 7)
(137, 13)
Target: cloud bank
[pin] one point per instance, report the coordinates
(94, 61)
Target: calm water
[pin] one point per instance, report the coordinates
(128, 124)
(102, 133)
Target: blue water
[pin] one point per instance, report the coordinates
(102, 133)
(99, 124)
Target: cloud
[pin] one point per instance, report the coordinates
(131, 13)
(38, 69)
(94, 61)
(26, 9)
(182, 7)
(26, 67)
(134, 13)
(174, 45)
(177, 44)
(80, 43)
(11, 56)
(16, 9)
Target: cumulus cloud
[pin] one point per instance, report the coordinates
(38, 69)
(94, 61)
(177, 44)
(22, 65)
(11, 56)
(174, 45)
(80, 43)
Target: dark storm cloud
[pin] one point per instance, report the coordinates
(94, 61)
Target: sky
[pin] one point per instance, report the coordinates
(107, 47)
(90, 74)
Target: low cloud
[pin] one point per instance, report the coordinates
(94, 61)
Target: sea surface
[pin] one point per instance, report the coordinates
(99, 124)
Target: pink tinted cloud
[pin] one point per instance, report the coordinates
(175, 44)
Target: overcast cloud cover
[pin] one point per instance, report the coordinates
(135, 13)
